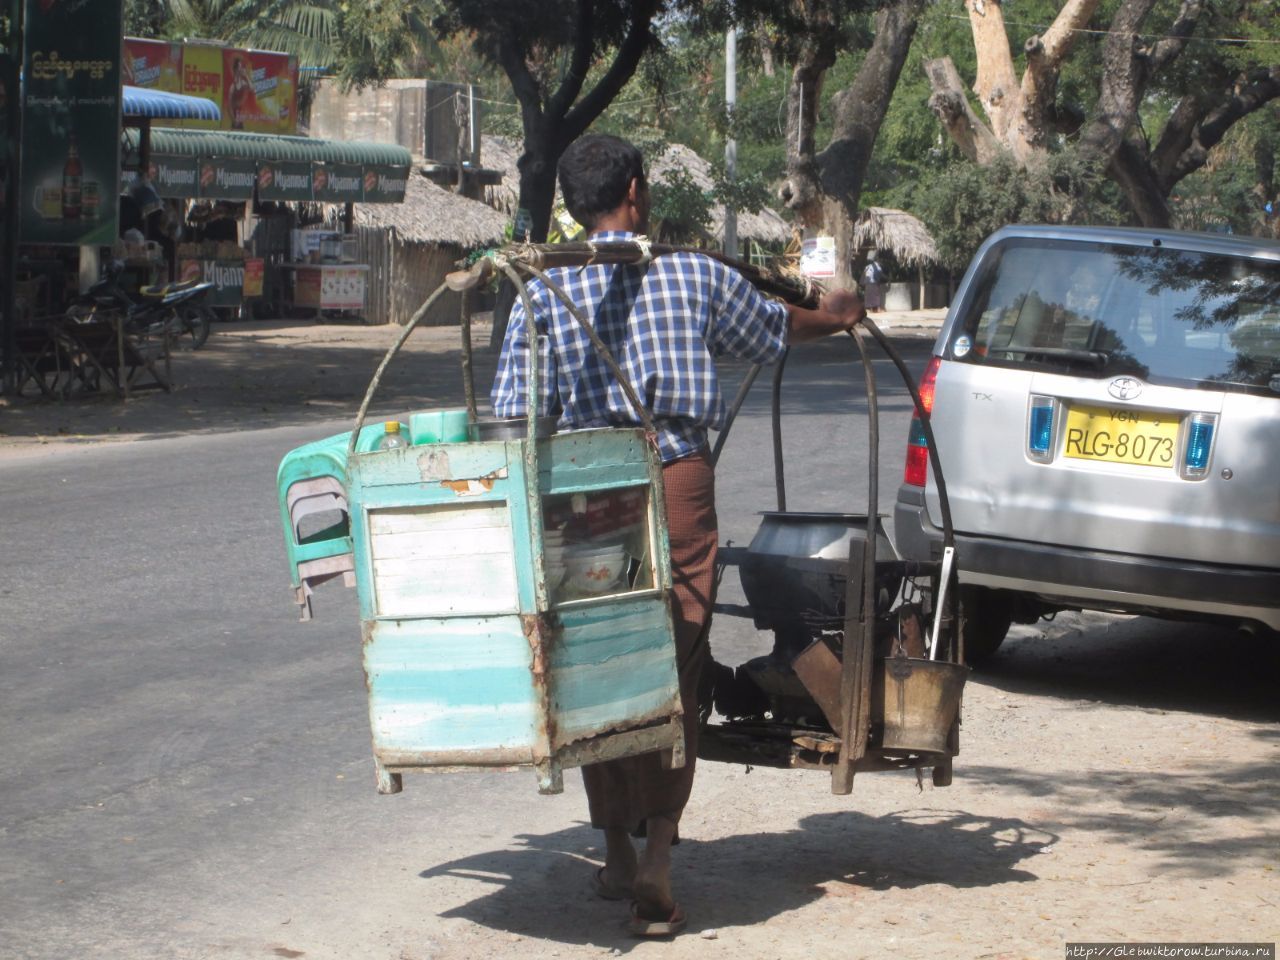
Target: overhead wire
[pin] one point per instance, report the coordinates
(1232, 41)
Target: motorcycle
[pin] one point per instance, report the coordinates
(175, 312)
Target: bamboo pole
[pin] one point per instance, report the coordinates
(792, 289)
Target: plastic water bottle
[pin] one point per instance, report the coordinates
(392, 438)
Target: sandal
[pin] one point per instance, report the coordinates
(640, 926)
(605, 890)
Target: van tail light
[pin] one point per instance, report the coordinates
(917, 469)
(1200, 431)
(1041, 419)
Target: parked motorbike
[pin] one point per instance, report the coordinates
(176, 312)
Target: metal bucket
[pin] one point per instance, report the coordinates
(914, 704)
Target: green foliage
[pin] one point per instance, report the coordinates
(681, 209)
(144, 18)
(966, 203)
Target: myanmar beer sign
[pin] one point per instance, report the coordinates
(227, 179)
(71, 122)
(284, 181)
(385, 184)
(337, 183)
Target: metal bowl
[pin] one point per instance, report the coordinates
(511, 428)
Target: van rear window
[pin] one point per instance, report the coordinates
(1092, 309)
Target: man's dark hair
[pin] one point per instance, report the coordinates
(595, 174)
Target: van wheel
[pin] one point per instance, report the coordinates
(985, 617)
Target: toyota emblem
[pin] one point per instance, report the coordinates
(1125, 388)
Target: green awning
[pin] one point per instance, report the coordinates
(229, 165)
(231, 144)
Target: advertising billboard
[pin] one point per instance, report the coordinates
(202, 77)
(71, 122)
(259, 91)
(152, 64)
(256, 90)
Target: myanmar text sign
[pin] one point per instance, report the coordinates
(71, 122)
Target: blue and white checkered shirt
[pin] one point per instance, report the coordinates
(664, 323)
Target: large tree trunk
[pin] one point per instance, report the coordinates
(538, 179)
(825, 190)
(1132, 171)
(801, 191)
(554, 122)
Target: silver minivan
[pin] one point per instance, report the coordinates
(1106, 404)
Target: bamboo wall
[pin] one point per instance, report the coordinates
(402, 275)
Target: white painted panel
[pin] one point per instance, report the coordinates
(439, 517)
(437, 544)
(443, 559)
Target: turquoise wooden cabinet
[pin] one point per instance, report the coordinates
(514, 604)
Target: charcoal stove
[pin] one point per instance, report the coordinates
(854, 680)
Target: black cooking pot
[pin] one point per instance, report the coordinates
(795, 574)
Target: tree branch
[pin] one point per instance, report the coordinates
(950, 105)
(861, 109)
(1168, 48)
(1058, 40)
(510, 56)
(620, 71)
(583, 46)
(1124, 80)
(1045, 56)
(1208, 133)
(996, 84)
(802, 190)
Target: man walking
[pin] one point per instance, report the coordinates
(665, 323)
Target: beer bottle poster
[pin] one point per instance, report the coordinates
(71, 122)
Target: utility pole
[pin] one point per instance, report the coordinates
(730, 144)
(11, 58)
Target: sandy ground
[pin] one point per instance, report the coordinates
(1118, 780)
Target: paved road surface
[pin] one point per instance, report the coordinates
(186, 772)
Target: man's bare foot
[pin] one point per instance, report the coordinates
(652, 883)
(618, 874)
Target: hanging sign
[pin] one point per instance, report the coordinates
(227, 179)
(71, 122)
(385, 184)
(282, 180)
(818, 257)
(337, 183)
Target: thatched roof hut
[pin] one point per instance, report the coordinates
(764, 226)
(432, 214)
(409, 247)
(502, 153)
(895, 231)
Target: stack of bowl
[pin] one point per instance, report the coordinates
(553, 554)
(594, 568)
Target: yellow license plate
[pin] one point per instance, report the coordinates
(1148, 438)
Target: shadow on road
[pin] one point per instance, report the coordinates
(1148, 663)
(542, 890)
(1178, 816)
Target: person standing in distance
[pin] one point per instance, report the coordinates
(665, 321)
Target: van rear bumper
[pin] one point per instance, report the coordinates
(1092, 578)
